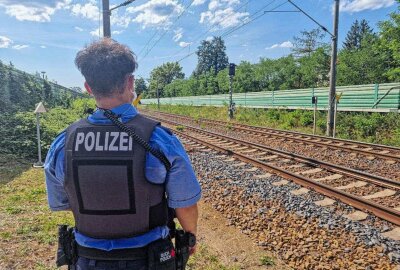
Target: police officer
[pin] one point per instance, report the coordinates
(118, 192)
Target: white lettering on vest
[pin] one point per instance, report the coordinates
(89, 147)
(122, 140)
(80, 137)
(112, 146)
(98, 147)
(103, 141)
(130, 143)
(106, 141)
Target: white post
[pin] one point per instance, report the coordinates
(39, 109)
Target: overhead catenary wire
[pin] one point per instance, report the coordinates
(155, 33)
(167, 30)
(231, 31)
(311, 18)
(209, 29)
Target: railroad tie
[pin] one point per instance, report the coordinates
(393, 234)
(380, 194)
(268, 157)
(239, 164)
(300, 191)
(357, 216)
(315, 170)
(253, 169)
(325, 202)
(329, 177)
(280, 183)
(352, 185)
(263, 176)
(296, 166)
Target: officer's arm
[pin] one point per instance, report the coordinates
(187, 217)
(54, 171)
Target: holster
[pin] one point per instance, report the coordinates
(183, 242)
(161, 255)
(66, 251)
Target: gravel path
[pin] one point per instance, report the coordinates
(304, 235)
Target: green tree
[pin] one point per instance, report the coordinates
(308, 42)
(357, 33)
(362, 66)
(211, 56)
(314, 69)
(389, 45)
(163, 75)
(140, 86)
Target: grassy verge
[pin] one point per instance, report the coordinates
(28, 229)
(10, 167)
(382, 128)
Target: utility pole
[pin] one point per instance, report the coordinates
(107, 15)
(106, 18)
(158, 97)
(332, 81)
(231, 75)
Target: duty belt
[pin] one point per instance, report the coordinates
(115, 254)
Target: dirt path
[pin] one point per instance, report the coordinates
(232, 248)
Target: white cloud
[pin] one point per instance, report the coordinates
(223, 18)
(20, 47)
(209, 38)
(89, 10)
(98, 32)
(120, 20)
(117, 32)
(361, 5)
(36, 11)
(43, 47)
(77, 28)
(178, 34)
(5, 42)
(198, 2)
(286, 44)
(156, 13)
(184, 44)
(221, 14)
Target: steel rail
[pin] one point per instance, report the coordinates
(328, 143)
(363, 176)
(383, 212)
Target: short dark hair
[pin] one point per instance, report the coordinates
(105, 65)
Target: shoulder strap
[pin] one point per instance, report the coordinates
(157, 153)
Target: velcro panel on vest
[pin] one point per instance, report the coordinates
(101, 198)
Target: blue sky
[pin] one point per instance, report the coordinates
(45, 35)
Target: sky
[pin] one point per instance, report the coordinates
(45, 35)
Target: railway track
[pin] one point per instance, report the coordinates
(389, 153)
(329, 179)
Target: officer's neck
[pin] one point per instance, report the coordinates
(112, 102)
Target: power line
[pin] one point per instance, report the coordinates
(155, 33)
(311, 18)
(230, 31)
(166, 31)
(211, 27)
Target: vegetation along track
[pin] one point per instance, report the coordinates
(329, 179)
(385, 167)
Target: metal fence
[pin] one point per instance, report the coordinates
(370, 98)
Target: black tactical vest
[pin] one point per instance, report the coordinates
(105, 180)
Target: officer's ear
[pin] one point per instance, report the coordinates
(88, 89)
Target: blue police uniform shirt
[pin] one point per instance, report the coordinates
(182, 187)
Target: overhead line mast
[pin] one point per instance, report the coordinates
(107, 15)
